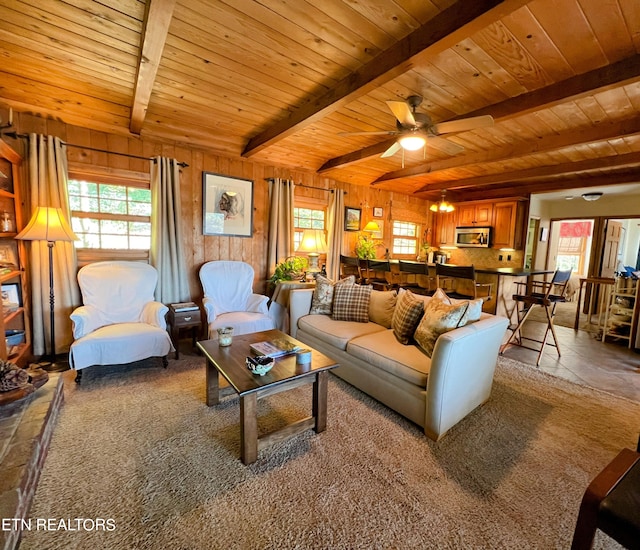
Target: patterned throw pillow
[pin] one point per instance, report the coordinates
(322, 301)
(351, 303)
(406, 316)
(473, 313)
(439, 317)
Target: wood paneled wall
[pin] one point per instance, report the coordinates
(199, 248)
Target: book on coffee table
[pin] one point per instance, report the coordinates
(274, 348)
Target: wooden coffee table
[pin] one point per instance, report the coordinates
(286, 374)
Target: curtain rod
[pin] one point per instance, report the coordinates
(312, 187)
(15, 135)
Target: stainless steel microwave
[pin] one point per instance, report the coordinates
(473, 237)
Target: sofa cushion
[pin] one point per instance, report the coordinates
(381, 306)
(439, 317)
(322, 301)
(406, 316)
(351, 303)
(335, 333)
(473, 313)
(382, 350)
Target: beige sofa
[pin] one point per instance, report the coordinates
(435, 393)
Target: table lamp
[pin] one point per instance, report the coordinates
(313, 243)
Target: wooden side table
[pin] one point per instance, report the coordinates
(177, 320)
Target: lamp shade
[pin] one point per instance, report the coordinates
(313, 242)
(47, 224)
(372, 226)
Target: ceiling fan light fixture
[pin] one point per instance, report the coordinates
(590, 197)
(412, 142)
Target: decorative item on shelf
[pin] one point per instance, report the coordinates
(5, 224)
(49, 224)
(443, 206)
(313, 243)
(260, 365)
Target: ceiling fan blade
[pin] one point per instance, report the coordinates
(444, 145)
(463, 124)
(402, 112)
(391, 150)
(381, 133)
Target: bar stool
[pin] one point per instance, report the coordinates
(611, 503)
(420, 273)
(545, 298)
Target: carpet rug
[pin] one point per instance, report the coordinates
(140, 450)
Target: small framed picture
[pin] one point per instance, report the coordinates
(11, 294)
(352, 217)
(544, 234)
(377, 212)
(8, 256)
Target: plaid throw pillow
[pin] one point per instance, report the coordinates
(351, 303)
(322, 301)
(406, 316)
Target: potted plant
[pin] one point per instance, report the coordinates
(366, 247)
(290, 269)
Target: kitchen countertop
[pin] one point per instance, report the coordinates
(513, 271)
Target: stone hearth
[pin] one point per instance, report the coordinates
(26, 427)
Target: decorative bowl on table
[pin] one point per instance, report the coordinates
(260, 365)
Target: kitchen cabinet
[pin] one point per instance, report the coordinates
(15, 346)
(446, 228)
(509, 218)
(471, 214)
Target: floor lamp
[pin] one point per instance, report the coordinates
(49, 224)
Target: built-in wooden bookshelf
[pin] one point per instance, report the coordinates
(13, 287)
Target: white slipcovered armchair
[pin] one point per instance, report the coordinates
(229, 300)
(120, 321)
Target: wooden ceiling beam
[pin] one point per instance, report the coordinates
(628, 160)
(154, 35)
(445, 30)
(584, 136)
(556, 184)
(571, 89)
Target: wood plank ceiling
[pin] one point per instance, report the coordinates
(278, 81)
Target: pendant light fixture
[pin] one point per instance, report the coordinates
(443, 206)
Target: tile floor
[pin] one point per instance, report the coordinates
(585, 359)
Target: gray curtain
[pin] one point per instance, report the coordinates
(335, 233)
(166, 252)
(48, 177)
(281, 230)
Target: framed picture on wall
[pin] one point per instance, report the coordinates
(352, 218)
(227, 205)
(377, 212)
(11, 295)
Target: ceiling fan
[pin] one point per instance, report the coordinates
(413, 129)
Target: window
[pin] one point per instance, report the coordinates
(110, 214)
(405, 238)
(306, 218)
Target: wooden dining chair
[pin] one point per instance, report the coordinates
(459, 282)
